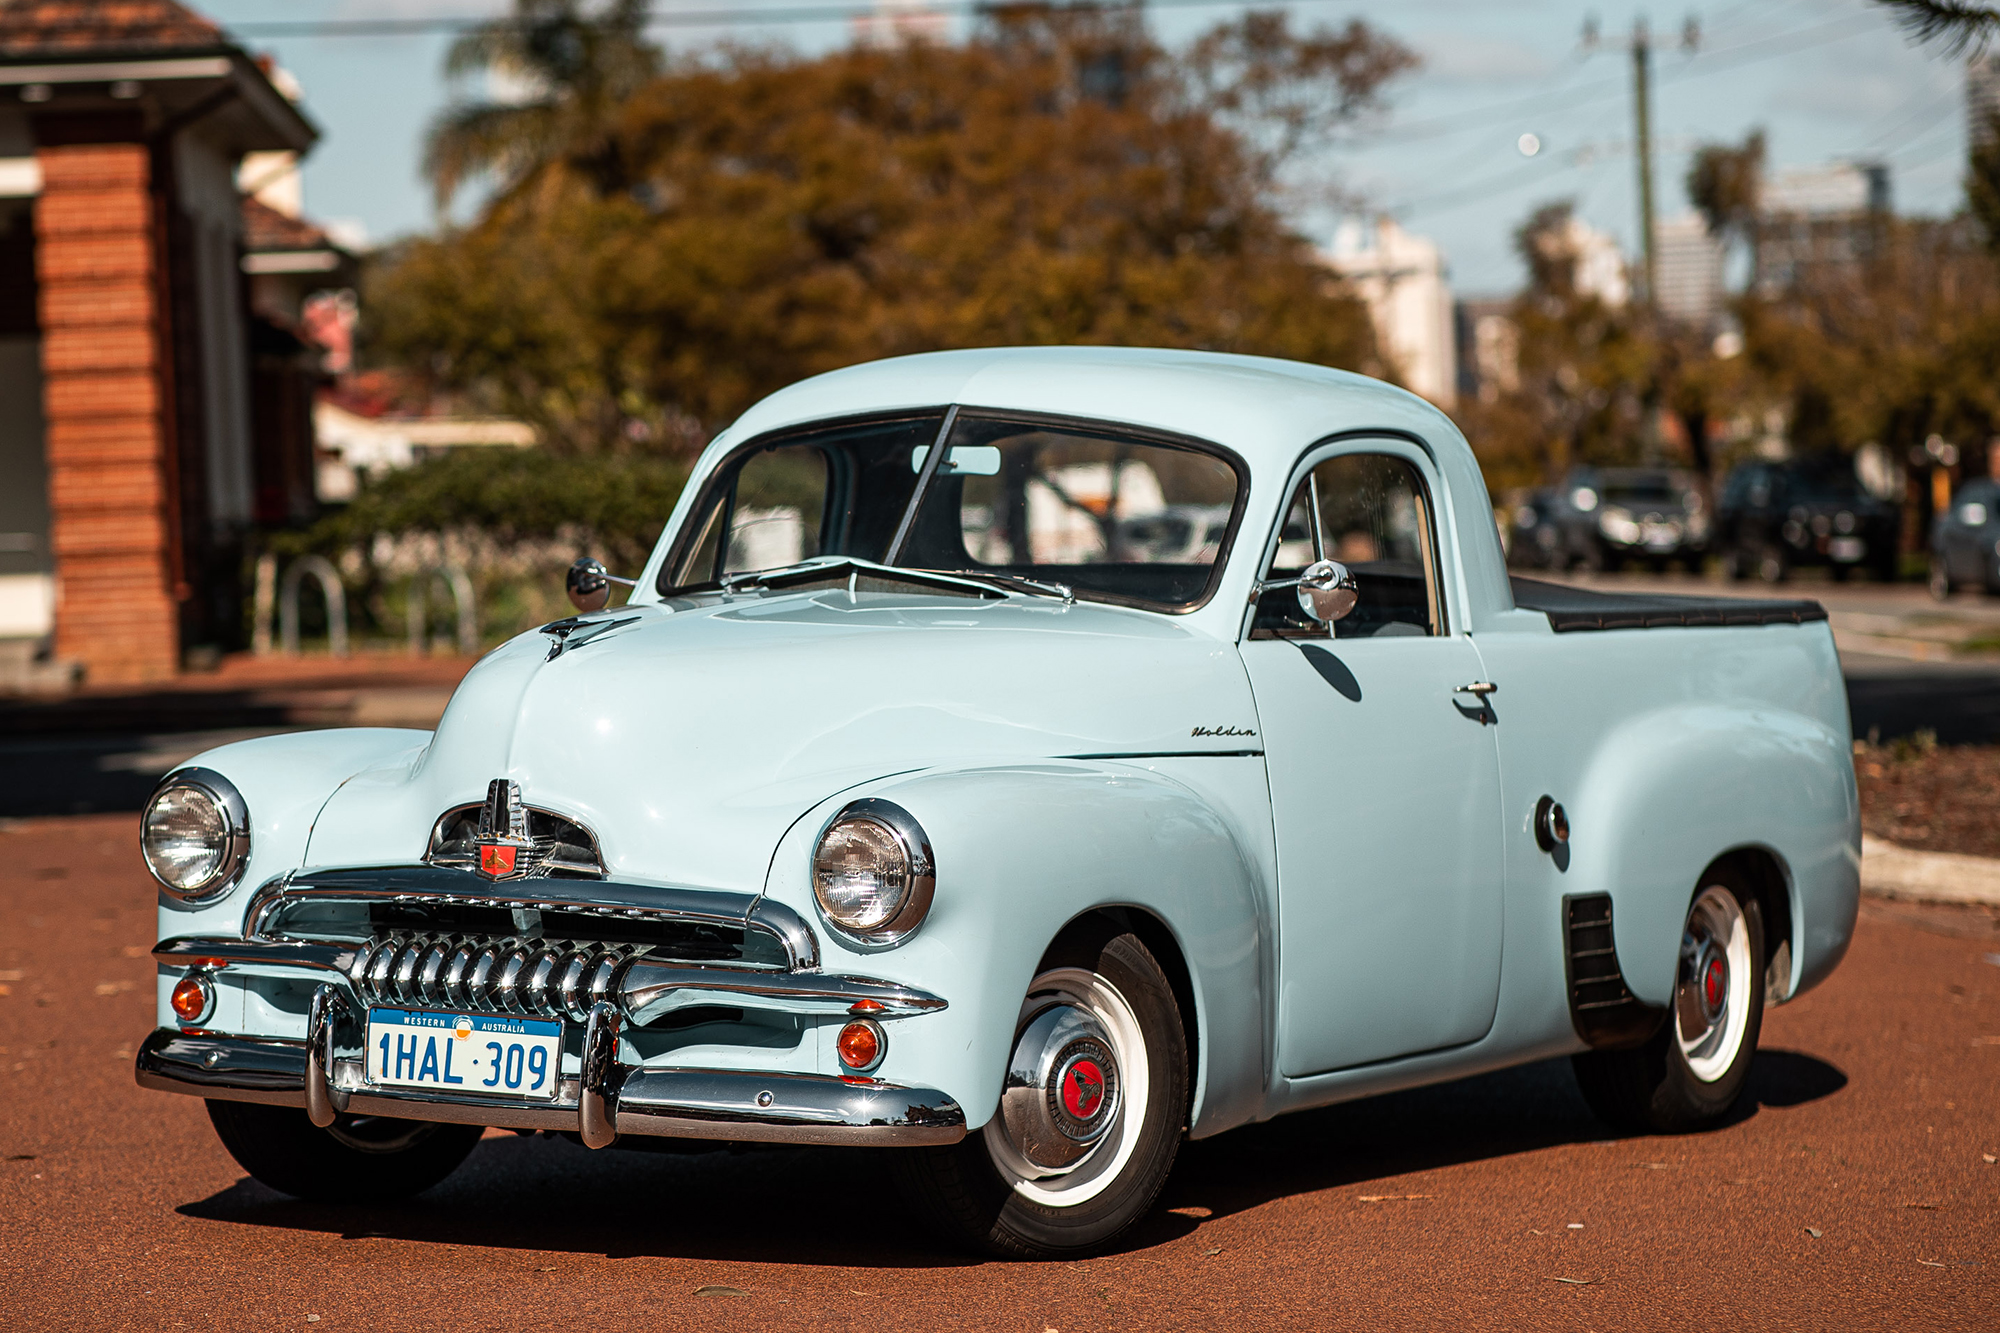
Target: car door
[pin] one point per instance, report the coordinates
(1384, 778)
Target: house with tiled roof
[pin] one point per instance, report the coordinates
(142, 432)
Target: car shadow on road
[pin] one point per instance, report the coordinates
(840, 1208)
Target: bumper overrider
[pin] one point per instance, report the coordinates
(608, 958)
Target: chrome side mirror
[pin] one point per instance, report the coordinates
(589, 586)
(1327, 591)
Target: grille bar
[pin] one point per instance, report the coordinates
(509, 975)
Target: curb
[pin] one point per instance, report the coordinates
(1889, 871)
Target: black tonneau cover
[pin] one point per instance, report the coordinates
(1582, 608)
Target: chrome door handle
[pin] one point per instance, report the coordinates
(1482, 688)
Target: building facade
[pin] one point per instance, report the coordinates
(1407, 287)
(129, 438)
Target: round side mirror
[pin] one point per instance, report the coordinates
(1327, 591)
(588, 585)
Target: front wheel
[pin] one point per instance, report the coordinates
(1090, 1115)
(1692, 1071)
(1941, 586)
(358, 1159)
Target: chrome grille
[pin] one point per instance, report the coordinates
(543, 978)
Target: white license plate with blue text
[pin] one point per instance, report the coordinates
(490, 1054)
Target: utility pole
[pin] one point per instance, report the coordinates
(1642, 113)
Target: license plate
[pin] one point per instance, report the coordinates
(1847, 548)
(491, 1054)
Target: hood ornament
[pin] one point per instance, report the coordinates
(574, 632)
(503, 831)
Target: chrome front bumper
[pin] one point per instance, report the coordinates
(599, 1105)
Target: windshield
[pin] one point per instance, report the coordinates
(1112, 515)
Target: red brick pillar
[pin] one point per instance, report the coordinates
(103, 366)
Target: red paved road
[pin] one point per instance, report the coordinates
(1860, 1191)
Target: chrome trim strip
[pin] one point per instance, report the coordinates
(436, 884)
(652, 990)
(677, 1103)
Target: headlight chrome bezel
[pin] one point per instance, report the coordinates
(915, 845)
(229, 803)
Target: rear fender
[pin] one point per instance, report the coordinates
(1669, 792)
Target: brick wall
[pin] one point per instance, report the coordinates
(108, 449)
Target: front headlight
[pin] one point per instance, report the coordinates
(196, 833)
(872, 872)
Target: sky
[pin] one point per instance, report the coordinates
(1827, 81)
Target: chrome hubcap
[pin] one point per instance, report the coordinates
(1076, 1092)
(1710, 1015)
(1062, 1086)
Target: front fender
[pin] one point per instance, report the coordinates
(285, 780)
(1021, 851)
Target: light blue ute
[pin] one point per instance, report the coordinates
(1024, 757)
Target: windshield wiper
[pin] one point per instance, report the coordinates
(1042, 586)
(852, 568)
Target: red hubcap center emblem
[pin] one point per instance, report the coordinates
(1083, 1089)
(1714, 982)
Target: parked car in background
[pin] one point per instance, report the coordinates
(1132, 745)
(1965, 541)
(1773, 517)
(1603, 518)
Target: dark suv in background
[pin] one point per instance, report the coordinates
(1808, 511)
(1965, 541)
(1602, 517)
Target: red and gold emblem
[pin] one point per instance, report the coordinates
(496, 859)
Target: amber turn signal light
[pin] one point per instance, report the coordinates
(862, 1044)
(193, 997)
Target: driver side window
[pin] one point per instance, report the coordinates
(1372, 513)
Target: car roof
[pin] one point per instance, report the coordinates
(1264, 409)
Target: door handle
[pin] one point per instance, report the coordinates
(1482, 688)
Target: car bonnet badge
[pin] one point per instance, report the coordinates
(503, 831)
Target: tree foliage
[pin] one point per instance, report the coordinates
(611, 507)
(1582, 367)
(570, 67)
(1060, 178)
(1952, 25)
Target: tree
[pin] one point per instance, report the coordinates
(574, 67)
(1059, 178)
(1583, 366)
(1982, 185)
(1953, 24)
(1725, 184)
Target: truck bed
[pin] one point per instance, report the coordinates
(1586, 609)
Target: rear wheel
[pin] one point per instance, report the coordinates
(358, 1159)
(1692, 1071)
(1940, 582)
(1773, 564)
(1090, 1115)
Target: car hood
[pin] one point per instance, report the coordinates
(688, 739)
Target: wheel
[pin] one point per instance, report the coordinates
(1940, 582)
(1773, 565)
(1736, 563)
(1691, 1072)
(1839, 573)
(1090, 1114)
(359, 1159)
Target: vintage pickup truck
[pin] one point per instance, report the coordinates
(1024, 759)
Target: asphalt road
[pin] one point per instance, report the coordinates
(1857, 1188)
